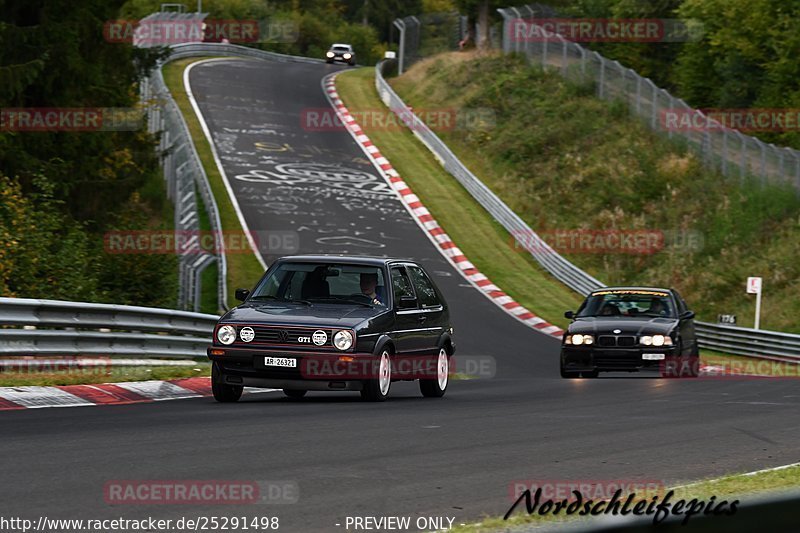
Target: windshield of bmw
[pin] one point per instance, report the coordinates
(324, 283)
(628, 303)
(340, 48)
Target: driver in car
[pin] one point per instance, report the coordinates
(369, 285)
(657, 307)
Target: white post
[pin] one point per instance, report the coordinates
(758, 310)
(754, 286)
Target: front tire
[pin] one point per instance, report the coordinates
(377, 389)
(566, 374)
(223, 393)
(435, 388)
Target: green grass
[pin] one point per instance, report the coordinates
(485, 242)
(736, 486)
(102, 374)
(243, 269)
(565, 160)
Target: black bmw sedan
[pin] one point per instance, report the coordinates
(331, 323)
(630, 329)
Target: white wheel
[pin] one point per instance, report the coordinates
(435, 388)
(377, 388)
(385, 374)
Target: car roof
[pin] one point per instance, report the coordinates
(354, 259)
(341, 44)
(633, 288)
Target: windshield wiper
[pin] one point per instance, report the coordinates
(275, 298)
(344, 301)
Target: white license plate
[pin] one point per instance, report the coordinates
(653, 356)
(287, 362)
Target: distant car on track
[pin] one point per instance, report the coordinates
(341, 52)
(630, 329)
(331, 323)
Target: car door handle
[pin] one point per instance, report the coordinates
(422, 318)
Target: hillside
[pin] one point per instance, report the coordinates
(572, 165)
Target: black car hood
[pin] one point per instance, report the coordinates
(627, 326)
(336, 315)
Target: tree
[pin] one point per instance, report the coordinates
(480, 14)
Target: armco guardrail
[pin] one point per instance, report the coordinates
(743, 341)
(183, 170)
(53, 327)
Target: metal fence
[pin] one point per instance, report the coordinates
(731, 152)
(427, 35)
(51, 327)
(744, 341)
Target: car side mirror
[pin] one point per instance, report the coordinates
(569, 314)
(242, 294)
(407, 302)
(686, 315)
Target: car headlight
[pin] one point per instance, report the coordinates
(577, 339)
(343, 339)
(347, 56)
(656, 340)
(226, 334)
(330, 54)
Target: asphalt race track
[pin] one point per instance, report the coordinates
(410, 456)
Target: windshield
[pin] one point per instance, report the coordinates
(324, 283)
(628, 303)
(342, 48)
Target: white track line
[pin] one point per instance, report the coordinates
(207, 132)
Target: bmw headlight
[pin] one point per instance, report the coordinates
(578, 339)
(226, 334)
(330, 54)
(656, 340)
(347, 56)
(343, 339)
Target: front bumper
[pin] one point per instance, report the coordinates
(587, 359)
(312, 371)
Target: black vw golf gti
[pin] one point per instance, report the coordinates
(331, 323)
(630, 329)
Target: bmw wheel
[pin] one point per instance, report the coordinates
(566, 374)
(435, 388)
(377, 388)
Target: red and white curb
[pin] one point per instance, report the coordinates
(106, 393)
(433, 230)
